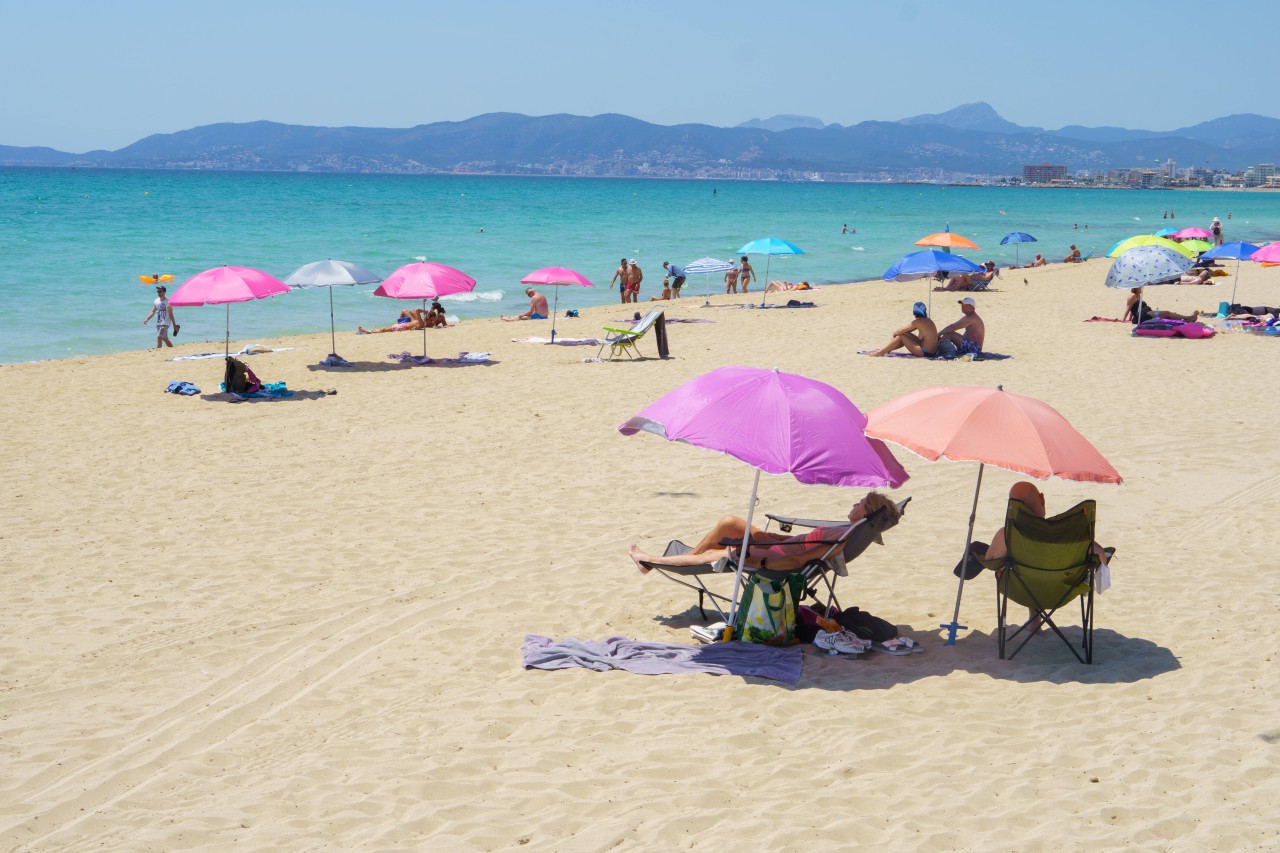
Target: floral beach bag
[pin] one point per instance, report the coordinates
(767, 612)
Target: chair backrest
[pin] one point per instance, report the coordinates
(642, 325)
(1050, 556)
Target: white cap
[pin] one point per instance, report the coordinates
(968, 300)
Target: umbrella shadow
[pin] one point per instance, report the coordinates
(356, 367)
(1118, 659)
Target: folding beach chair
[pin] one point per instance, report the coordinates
(624, 340)
(1050, 562)
(821, 573)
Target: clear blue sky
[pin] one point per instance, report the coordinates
(88, 74)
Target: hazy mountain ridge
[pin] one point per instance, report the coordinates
(971, 138)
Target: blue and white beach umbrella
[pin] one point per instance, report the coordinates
(1144, 265)
(705, 267)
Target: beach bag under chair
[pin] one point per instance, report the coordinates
(1050, 563)
(768, 612)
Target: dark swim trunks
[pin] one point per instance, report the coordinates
(968, 347)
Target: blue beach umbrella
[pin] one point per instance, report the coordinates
(769, 246)
(1239, 251)
(1165, 232)
(1017, 237)
(705, 267)
(927, 263)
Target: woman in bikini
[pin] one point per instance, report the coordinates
(770, 550)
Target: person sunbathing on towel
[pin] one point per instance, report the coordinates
(1131, 310)
(1202, 277)
(779, 286)
(768, 550)
(409, 320)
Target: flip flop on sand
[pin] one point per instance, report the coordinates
(898, 646)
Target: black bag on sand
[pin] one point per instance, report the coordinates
(866, 626)
(969, 567)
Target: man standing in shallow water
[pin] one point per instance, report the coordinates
(634, 276)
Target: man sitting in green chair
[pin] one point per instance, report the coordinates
(1032, 498)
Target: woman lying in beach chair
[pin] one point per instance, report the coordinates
(825, 548)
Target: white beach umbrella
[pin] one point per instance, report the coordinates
(331, 274)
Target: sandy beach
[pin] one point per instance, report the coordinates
(296, 624)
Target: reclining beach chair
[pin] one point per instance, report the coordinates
(624, 340)
(1050, 562)
(818, 574)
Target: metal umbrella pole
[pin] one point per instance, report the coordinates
(742, 559)
(955, 625)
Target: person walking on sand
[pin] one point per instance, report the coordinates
(163, 312)
(746, 274)
(635, 275)
(1216, 228)
(731, 280)
(620, 276)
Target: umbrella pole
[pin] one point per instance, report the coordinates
(333, 340)
(973, 515)
(763, 293)
(228, 343)
(1235, 283)
(424, 329)
(554, 312)
(742, 558)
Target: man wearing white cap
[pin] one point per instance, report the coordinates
(968, 333)
(634, 277)
(920, 337)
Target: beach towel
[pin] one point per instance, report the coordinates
(564, 342)
(249, 349)
(982, 356)
(779, 663)
(186, 389)
(422, 360)
(790, 303)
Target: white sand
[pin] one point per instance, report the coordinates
(296, 625)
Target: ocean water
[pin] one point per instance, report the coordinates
(73, 242)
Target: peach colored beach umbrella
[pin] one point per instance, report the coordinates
(946, 240)
(224, 285)
(989, 426)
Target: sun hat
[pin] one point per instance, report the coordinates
(633, 260)
(919, 310)
(968, 300)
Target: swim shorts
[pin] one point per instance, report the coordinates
(678, 283)
(162, 331)
(968, 347)
(537, 316)
(633, 288)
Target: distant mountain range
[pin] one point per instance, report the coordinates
(970, 139)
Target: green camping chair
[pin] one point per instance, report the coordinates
(1050, 562)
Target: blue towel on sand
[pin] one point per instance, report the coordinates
(780, 663)
(186, 389)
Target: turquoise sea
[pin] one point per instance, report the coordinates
(73, 242)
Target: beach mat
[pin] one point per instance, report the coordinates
(464, 358)
(983, 356)
(560, 342)
(779, 663)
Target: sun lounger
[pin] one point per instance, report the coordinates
(819, 574)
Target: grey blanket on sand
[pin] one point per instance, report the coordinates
(779, 663)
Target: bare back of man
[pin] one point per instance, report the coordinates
(920, 338)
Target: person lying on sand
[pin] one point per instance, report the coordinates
(1250, 312)
(773, 550)
(919, 337)
(409, 320)
(779, 286)
(1131, 310)
(1202, 277)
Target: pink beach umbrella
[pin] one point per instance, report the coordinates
(1268, 254)
(556, 277)
(1194, 234)
(778, 423)
(425, 280)
(224, 285)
